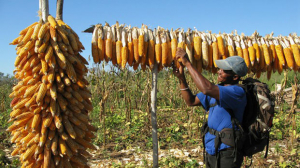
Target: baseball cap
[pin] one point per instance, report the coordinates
(234, 63)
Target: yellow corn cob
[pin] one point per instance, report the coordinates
(221, 46)
(52, 21)
(63, 34)
(21, 103)
(188, 47)
(101, 50)
(31, 90)
(197, 46)
(27, 36)
(53, 34)
(16, 40)
(279, 52)
(44, 28)
(288, 54)
(205, 54)
(119, 52)
(135, 45)
(29, 152)
(164, 49)
(246, 54)
(141, 42)
(95, 52)
(257, 52)
(24, 31)
(252, 54)
(295, 51)
(268, 59)
(41, 93)
(215, 50)
(27, 138)
(151, 50)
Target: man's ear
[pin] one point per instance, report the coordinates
(236, 77)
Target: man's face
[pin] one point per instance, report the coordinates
(225, 76)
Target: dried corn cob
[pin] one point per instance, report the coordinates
(151, 49)
(130, 48)
(124, 49)
(188, 47)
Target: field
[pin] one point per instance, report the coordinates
(121, 101)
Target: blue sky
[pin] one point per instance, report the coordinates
(281, 17)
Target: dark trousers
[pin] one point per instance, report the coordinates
(226, 158)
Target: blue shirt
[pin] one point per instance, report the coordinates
(231, 97)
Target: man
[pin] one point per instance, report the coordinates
(220, 100)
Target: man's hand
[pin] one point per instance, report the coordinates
(179, 72)
(182, 56)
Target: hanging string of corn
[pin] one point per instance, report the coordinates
(261, 53)
(51, 101)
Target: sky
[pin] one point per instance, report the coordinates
(279, 16)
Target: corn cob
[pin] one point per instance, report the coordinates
(101, 43)
(210, 51)
(151, 49)
(246, 54)
(231, 47)
(279, 52)
(266, 54)
(164, 48)
(252, 52)
(239, 49)
(141, 40)
(221, 45)
(95, 52)
(197, 45)
(144, 60)
(124, 52)
(295, 50)
(205, 56)
(255, 45)
(158, 47)
(135, 40)
(287, 53)
(188, 48)
(130, 47)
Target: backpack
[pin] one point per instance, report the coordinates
(258, 117)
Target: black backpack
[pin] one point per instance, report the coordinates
(258, 117)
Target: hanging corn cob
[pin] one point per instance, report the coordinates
(239, 49)
(173, 35)
(144, 60)
(287, 53)
(215, 49)
(197, 45)
(101, 43)
(210, 51)
(188, 46)
(231, 47)
(95, 52)
(164, 48)
(252, 52)
(255, 45)
(295, 50)
(119, 44)
(130, 47)
(205, 56)
(266, 54)
(151, 49)
(124, 52)
(170, 57)
(158, 47)
(51, 101)
(245, 52)
(108, 43)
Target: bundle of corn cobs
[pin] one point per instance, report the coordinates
(51, 101)
(143, 46)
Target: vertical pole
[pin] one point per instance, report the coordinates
(153, 116)
(45, 10)
(59, 9)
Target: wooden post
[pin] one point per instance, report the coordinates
(153, 116)
(45, 9)
(59, 9)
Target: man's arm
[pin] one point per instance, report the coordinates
(189, 98)
(204, 85)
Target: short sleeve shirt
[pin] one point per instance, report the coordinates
(231, 97)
